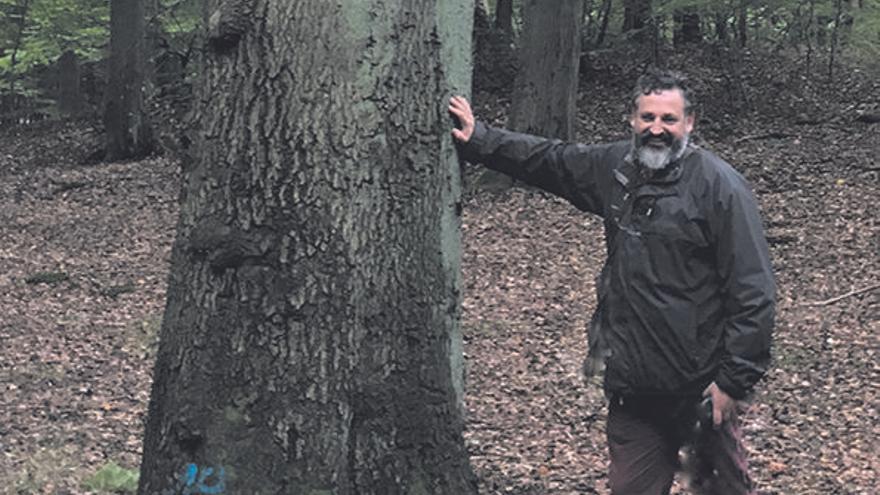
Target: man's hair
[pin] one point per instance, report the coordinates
(657, 80)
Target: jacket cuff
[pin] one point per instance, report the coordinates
(730, 386)
(470, 150)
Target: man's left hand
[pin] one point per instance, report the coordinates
(723, 406)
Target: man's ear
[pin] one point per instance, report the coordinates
(689, 122)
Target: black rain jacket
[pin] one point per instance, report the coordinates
(687, 294)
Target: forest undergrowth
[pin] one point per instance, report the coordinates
(84, 250)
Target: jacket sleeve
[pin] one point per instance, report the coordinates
(748, 287)
(572, 171)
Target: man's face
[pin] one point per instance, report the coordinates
(660, 128)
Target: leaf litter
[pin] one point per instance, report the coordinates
(77, 356)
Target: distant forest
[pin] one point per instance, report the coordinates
(134, 62)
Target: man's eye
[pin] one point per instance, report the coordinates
(669, 119)
(647, 117)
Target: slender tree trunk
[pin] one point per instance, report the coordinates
(125, 117)
(686, 26)
(838, 12)
(13, 57)
(742, 20)
(636, 14)
(70, 97)
(654, 28)
(603, 26)
(545, 91)
(721, 27)
(311, 343)
(504, 16)
(809, 37)
(588, 22)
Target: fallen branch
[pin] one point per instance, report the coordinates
(769, 135)
(842, 296)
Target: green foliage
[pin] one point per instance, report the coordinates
(34, 34)
(50, 28)
(112, 478)
(865, 37)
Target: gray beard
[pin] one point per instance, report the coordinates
(655, 159)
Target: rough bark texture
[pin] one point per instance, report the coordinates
(70, 96)
(125, 118)
(545, 92)
(310, 343)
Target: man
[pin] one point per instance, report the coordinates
(686, 297)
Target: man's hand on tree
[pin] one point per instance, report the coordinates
(724, 407)
(460, 108)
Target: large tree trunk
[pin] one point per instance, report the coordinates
(311, 343)
(125, 118)
(545, 91)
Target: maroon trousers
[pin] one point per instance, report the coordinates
(649, 439)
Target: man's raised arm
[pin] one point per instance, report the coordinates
(573, 171)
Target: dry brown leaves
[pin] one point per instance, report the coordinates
(74, 369)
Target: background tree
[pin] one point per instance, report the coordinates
(687, 26)
(604, 16)
(19, 13)
(636, 15)
(70, 97)
(545, 90)
(504, 15)
(126, 124)
(33, 36)
(311, 342)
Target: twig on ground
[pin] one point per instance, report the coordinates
(842, 296)
(769, 135)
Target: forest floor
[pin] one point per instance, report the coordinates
(84, 252)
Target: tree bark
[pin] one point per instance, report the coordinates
(603, 24)
(504, 16)
(311, 341)
(838, 12)
(687, 26)
(71, 101)
(636, 14)
(126, 123)
(545, 91)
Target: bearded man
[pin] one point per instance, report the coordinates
(686, 299)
